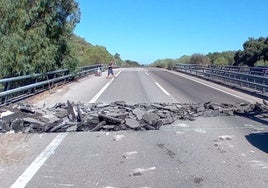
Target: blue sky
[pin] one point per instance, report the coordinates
(147, 30)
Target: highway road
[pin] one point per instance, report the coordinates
(208, 152)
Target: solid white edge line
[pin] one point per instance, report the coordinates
(162, 88)
(38, 162)
(95, 98)
(28, 174)
(215, 88)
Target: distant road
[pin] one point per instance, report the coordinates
(207, 152)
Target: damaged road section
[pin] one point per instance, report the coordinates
(70, 117)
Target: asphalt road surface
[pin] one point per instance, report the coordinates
(208, 152)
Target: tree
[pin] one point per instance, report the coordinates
(117, 56)
(35, 35)
(199, 59)
(254, 51)
(185, 59)
(131, 63)
(88, 54)
(164, 63)
(118, 59)
(222, 58)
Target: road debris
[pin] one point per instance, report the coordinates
(71, 117)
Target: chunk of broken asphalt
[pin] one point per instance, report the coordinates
(115, 116)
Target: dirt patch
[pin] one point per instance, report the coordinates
(13, 148)
(43, 95)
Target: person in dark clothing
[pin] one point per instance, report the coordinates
(110, 69)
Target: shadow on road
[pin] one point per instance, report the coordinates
(259, 140)
(255, 116)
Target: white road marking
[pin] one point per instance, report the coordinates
(118, 73)
(258, 164)
(144, 169)
(248, 125)
(217, 89)
(200, 131)
(230, 145)
(119, 137)
(162, 88)
(146, 73)
(6, 113)
(131, 153)
(209, 128)
(38, 162)
(176, 124)
(95, 98)
(65, 185)
(226, 137)
(48, 151)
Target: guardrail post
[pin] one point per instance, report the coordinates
(34, 81)
(263, 89)
(6, 88)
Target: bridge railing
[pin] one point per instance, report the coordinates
(254, 78)
(14, 88)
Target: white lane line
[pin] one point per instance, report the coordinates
(217, 89)
(162, 88)
(144, 169)
(95, 98)
(28, 174)
(146, 73)
(209, 128)
(118, 73)
(38, 162)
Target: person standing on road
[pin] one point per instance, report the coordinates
(110, 69)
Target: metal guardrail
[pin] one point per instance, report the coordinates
(31, 84)
(261, 71)
(255, 78)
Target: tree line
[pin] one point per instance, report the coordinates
(37, 36)
(87, 54)
(254, 53)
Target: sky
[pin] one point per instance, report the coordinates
(148, 30)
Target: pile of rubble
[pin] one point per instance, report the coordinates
(116, 116)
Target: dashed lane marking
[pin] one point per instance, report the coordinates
(215, 88)
(167, 93)
(162, 88)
